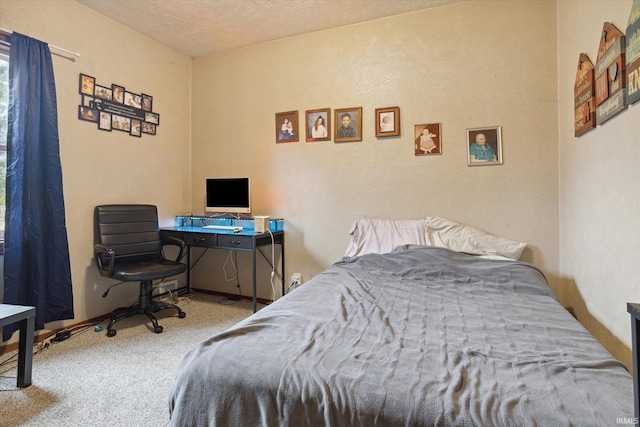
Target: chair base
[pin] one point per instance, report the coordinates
(146, 306)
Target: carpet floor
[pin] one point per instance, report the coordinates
(92, 380)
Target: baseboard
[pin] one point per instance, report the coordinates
(230, 296)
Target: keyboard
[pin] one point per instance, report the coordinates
(234, 228)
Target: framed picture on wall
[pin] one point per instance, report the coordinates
(136, 128)
(287, 127)
(132, 99)
(484, 146)
(102, 92)
(148, 128)
(105, 121)
(88, 114)
(147, 102)
(117, 93)
(348, 124)
(388, 121)
(87, 84)
(318, 124)
(152, 118)
(428, 139)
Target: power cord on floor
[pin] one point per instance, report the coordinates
(54, 338)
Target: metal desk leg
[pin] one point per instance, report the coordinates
(25, 351)
(253, 260)
(282, 266)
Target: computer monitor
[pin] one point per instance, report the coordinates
(228, 195)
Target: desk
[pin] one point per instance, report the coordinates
(245, 241)
(27, 317)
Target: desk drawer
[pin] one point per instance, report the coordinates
(200, 239)
(172, 233)
(229, 241)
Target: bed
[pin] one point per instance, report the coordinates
(417, 335)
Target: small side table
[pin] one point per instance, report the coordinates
(634, 310)
(27, 318)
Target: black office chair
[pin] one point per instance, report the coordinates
(128, 247)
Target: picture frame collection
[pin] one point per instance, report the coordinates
(115, 108)
(484, 144)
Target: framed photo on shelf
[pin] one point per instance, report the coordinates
(428, 139)
(318, 124)
(484, 146)
(87, 84)
(348, 124)
(388, 121)
(287, 127)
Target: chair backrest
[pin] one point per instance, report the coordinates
(130, 230)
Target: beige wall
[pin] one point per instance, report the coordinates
(466, 65)
(599, 192)
(110, 167)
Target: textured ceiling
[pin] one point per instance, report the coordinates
(201, 27)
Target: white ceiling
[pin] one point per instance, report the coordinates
(201, 27)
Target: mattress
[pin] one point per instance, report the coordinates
(420, 336)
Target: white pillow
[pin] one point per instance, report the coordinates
(462, 238)
(383, 235)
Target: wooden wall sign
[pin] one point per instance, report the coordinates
(633, 54)
(610, 76)
(584, 97)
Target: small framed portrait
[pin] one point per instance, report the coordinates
(484, 146)
(318, 125)
(88, 114)
(136, 128)
(388, 121)
(428, 139)
(287, 127)
(147, 102)
(117, 93)
(105, 121)
(102, 92)
(133, 100)
(86, 84)
(148, 128)
(152, 118)
(348, 124)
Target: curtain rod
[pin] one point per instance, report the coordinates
(76, 54)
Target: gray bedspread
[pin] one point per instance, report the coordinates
(422, 336)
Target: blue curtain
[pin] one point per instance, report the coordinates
(36, 260)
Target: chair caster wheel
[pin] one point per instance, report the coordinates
(157, 329)
(111, 332)
(182, 315)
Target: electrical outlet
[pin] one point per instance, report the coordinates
(170, 284)
(296, 280)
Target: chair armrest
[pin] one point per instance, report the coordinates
(174, 241)
(100, 251)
